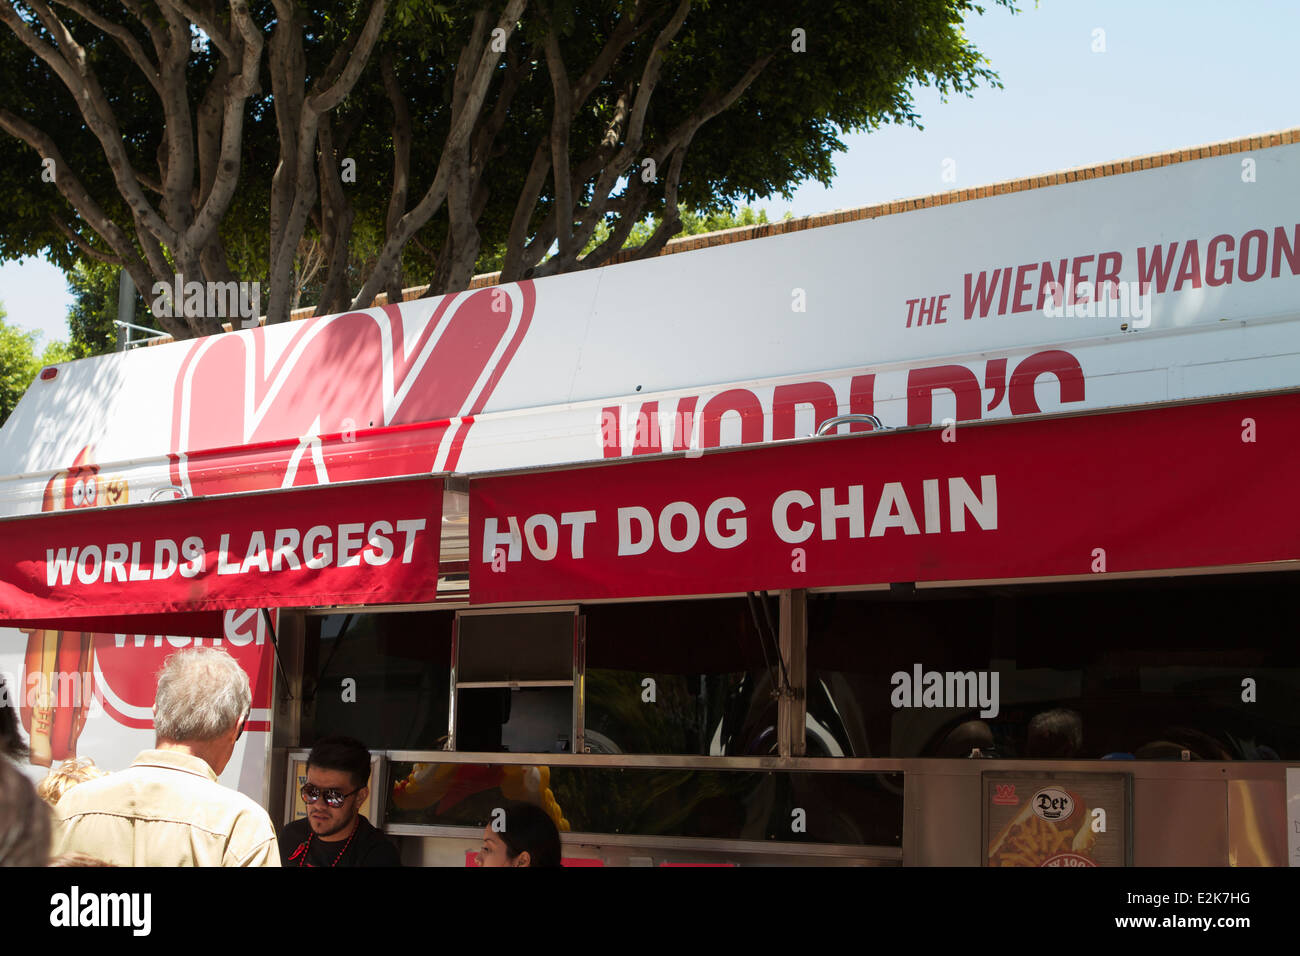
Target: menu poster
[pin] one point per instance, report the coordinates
(298, 776)
(1057, 819)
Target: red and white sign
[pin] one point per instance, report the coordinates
(342, 544)
(335, 390)
(92, 694)
(127, 665)
(1190, 486)
(1159, 285)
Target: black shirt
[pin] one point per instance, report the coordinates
(369, 847)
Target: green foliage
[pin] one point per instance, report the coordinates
(19, 363)
(858, 68)
(694, 223)
(94, 309)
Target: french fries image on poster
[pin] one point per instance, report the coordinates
(58, 667)
(1053, 828)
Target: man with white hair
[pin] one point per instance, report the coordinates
(167, 808)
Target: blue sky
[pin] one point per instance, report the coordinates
(1169, 74)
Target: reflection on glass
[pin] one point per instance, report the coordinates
(514, 720)
(860, 809)
(383, 678)
(677, 677)
(455, 793)
(1195, 668)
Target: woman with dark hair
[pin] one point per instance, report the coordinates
(529, 838)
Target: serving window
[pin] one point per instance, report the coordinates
(514, 678)
(382, 678)
(1195, 668)
(678, 677)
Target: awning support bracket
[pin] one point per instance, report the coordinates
(766, 632)
(275, 649)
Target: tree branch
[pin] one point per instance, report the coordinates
(225, 177)
(561, 121)
(513, 266)
(69, 62)
(125, 40)
(295, 189)
(220, 39)
(70, 187)
(365, 44)
(461, 129)
(85, 247)
(401, 161)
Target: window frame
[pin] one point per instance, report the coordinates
(576, 682)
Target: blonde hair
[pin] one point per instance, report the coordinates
(65, 776)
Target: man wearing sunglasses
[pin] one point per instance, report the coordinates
(335, 832)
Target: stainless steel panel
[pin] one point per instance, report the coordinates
(683, 761)
(449, 849)
(942, 816)
(1179, 822)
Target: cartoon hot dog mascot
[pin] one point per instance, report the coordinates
(58, 686)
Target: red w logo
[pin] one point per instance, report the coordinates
(303, 408)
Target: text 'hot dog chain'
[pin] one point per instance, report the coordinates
(795, 515)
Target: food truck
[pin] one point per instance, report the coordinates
(958, 530)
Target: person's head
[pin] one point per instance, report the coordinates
(24, 820)
(1174, 742)
(202, 702)
(66, 776)
(1055, 733)
(529, 838)
(965, 738)
(338, 774)
(11, 742)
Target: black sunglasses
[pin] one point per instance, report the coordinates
(333, 798)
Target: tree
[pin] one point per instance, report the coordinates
(693, 223)
(197, 146)
(597, 105)
(407, 141)
(19, 363)
(91, 319)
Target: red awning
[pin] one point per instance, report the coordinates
(1191, 486)
(162, 567)
(190, 624)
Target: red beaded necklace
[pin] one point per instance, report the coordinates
(306, 850)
